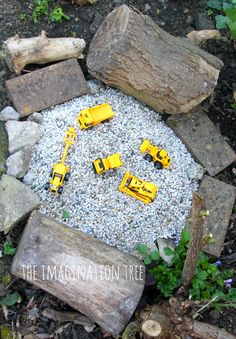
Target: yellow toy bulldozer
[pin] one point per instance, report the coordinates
(159, 156)
(137, 188)
(102, 165)
(60, 171)
(92, 116)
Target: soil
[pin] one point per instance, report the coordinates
(176, 17)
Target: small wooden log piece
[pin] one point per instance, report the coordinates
(130, 52)
(98, 280)
(84, 2)
(151, 329)
(17, 52)
(197, 232)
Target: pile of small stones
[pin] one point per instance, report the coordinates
(93, 203)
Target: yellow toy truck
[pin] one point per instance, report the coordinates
(102, 165)
(159, 156)
(60, 171)
(137, 188)
(92, 116)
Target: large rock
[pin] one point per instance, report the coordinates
(9, 113)
(3, 148)
(18, 163)
(22, 134)
(16, 202)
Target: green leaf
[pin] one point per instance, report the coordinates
(221, 21)
(201, 275)
(231, 14)
(8, 249)
(232, 27)
(168, 251)
(10, 299)
(142, 249)
(147, 260)
(226, 5)
(155, 255)
(216, 4)
(66, 214)
(209, 12)
(185, 236)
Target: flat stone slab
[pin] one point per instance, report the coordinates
(219, 201)
(16, 202)
(203, 140)
(47, 87)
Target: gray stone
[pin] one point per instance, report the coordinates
(147, 7)
(22, 134)
(203, 140)
(18, 163)
(3, 148)
(203, 21)
(9, 113)
(35, 117)
(94, 86)
(219, 201)
(195, 172)
(16, 202)
(28, 179)
(162, 243)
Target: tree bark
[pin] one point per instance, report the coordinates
(98, 280)
(132, 53)
(17, 52)
(196, 231)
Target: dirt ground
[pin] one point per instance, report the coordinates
(176, 17)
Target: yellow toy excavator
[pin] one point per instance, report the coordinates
(60, 171)
(137, 188)
(102, 165)
(153, 153)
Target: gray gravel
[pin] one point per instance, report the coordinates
(94, 203)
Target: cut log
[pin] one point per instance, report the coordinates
(169, 74)
(151, 329)
(17, 52)
(98, 280)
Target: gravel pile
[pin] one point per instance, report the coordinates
(94, 203)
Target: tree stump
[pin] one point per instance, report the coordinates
(98, 280)
(130, 52)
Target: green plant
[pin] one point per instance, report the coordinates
(41, 8)
(10, 299)
(22, 16)
(8, 249)
(44, 8)
(208, 282)
(65, 214)
(228, 18)
(233, 105)
(58, 15)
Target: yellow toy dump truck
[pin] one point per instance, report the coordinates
(102, 165)
(92, 116)
(159, 156)
(137, 188)
(60, 171)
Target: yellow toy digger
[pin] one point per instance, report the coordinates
(137, 188)
(159, 156)
(60, 171)
(102, 165)
(92, 116)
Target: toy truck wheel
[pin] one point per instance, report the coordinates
(47, 186)
(148, 157)
(94, 168)
(51, 173)
(60, 190)
(158, 165)
(67, 176)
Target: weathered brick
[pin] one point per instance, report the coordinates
(46, 87)
(203, 140)
(219, 201)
